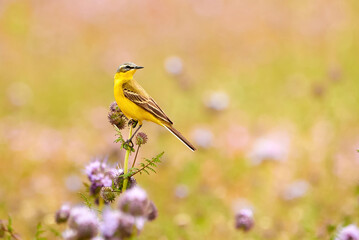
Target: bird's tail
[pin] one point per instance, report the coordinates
(180, 137)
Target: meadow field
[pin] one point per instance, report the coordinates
(268, 92)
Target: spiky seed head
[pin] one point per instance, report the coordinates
(107, 194)
(63, 214)
(141, 138)
(117, 119)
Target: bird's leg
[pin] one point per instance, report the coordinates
(129, 141)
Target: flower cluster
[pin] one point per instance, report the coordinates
(350, 232)
(82, 224)
(133, 210)
(100, 175)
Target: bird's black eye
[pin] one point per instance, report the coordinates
(128, 66)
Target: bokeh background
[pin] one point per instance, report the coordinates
(267, 90)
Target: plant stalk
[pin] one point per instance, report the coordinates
(125, 167)
(134, 161)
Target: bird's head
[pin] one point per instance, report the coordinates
(126, 70)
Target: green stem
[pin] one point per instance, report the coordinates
(125, 168)
(101, 204)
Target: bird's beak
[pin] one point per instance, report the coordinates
(138, 67)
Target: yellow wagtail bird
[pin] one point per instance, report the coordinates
(137, 105)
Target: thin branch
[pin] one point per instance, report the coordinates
(134, 161)
(9, 231)
(144, 166)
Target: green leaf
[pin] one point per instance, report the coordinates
(39, 232)
(87, 202)
(9, 225)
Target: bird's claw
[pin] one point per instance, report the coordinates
(133, 123)
(129, 143)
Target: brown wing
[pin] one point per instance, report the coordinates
(147, 103)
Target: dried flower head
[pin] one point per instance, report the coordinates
(133, 201)
(83, 222)
(244, 219)
(107, 194)
(63, 214)
(117, 225)
(117, 119)
(116, 116)
(350, 232)
(141, 138)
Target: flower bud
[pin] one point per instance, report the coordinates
(107, 194)
(141, 138)
(63, 214)
(244, 219)
(133, 201)
(152, 211)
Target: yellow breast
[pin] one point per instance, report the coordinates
(130, 109)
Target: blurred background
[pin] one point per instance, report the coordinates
(267, 90)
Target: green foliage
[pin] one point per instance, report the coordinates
(120, 139)
(86, 199)
(146, 167)
(39, 232)
(9, 226)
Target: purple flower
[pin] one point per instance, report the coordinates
(117, 225)
(83, 222)
(100, 175)
(350, 232)
(244, 219)
(134, 201)
(63, 214)
(69, 234)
